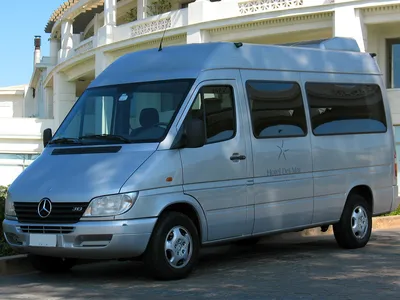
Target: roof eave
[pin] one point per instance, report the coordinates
(36, 74)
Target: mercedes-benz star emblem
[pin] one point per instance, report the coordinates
(44, 208)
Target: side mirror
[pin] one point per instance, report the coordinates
(47, 135)
(195, 134)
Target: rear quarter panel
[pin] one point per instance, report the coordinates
(341, 162)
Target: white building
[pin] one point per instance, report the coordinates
(20, 131)
(87, 35)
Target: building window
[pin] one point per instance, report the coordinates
(393, 59)
(186, 4)
(277, 109)
(345, 108)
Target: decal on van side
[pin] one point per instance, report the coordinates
(283, 151)
(283, 171)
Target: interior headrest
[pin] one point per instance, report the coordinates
(149, 117)
(213, 105)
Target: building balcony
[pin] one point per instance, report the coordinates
(88, 35)
(23, 135)
(138, 18)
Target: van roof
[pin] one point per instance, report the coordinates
(187, 61)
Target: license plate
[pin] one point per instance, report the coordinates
(43, 240)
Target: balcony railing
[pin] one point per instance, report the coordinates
(221, 10)
(197, 12)
(46, 60)
(259, 6)
(159, 23)
(85, 46)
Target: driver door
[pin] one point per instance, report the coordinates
(218, 174)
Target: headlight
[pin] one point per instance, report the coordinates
(110, 205)
(9, 209)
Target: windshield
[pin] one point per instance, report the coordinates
(138, 112)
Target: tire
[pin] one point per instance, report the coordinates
(170, 225)
(345, 236)
(47, 264)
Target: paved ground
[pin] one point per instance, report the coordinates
(279, 268)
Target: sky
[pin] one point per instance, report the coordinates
(18, 26)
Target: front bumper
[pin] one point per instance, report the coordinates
(83, 240)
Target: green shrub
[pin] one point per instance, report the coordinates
(396, 212)
(4, 248)
(3, 193)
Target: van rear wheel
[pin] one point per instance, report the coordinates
(355, 226)
(173, 248)
(48, 264)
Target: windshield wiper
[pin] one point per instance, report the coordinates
(65, 141)
(111, 137)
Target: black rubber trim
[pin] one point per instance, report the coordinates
(86, 150)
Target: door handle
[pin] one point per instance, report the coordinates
(237, 156)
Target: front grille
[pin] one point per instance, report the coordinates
(47, 229)
(61, 213)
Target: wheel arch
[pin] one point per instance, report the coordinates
(153, 203)
(188, 210)
(191, 208)
(365, 191)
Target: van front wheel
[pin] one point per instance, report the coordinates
(173, 247)
(355, 226)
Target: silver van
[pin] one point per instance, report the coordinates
(168, 151)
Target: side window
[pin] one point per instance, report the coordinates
(277, 109)
(345, 108)
(215, 106)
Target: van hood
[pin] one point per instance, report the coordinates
(78, 176)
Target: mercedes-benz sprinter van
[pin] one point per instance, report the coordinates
(168, 151)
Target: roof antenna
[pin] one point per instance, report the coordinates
(162, 38)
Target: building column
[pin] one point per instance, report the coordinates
(54, 49)
(348, 22)
(96, 24)
(197, 36)
(105, 33)
(110, 12)
(102, 61)
(49, 102)
(198, 12)
(64, 96)
(28, 103)
(141, 9)
(67, 41)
